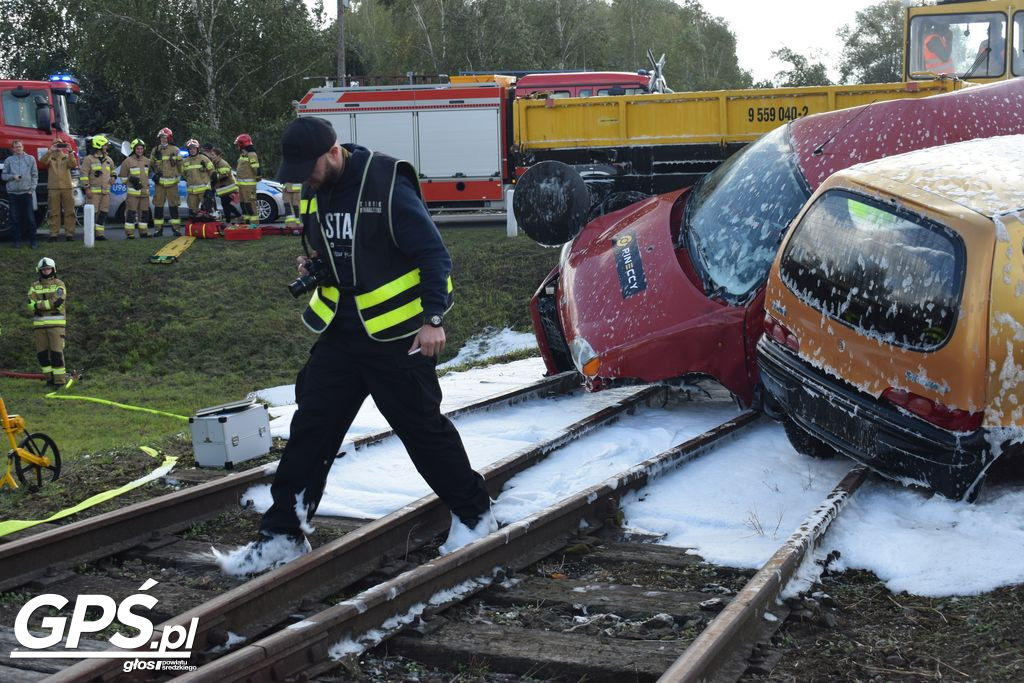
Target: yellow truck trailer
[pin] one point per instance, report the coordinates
(658, 142)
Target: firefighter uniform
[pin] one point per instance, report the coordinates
(47, 298)
(198, 170)
(97, 174)
(135, 176)
(292, 192)
(247, 173)
(59, 163)
(166, 164)
(224, 185)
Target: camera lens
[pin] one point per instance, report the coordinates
(301, 285)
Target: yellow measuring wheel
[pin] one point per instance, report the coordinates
(35, 460)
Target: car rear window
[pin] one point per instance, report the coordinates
(893, 275)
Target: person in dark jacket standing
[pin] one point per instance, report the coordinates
(384, 288)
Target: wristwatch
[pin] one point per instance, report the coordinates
(435, 320)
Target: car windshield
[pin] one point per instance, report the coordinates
(736, 216)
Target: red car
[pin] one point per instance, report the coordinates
(672, 287)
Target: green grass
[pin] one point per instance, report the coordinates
(209, 329)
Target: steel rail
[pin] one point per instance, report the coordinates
(26, 559)
(303, 649)
(734, 625)
(268, 599)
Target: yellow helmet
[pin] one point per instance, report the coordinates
(98, 141)
(138, 141)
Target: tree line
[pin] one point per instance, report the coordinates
(211, 69)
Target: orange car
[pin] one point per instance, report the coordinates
(895, 316)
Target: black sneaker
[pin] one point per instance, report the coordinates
(69, 239)
(101, 238)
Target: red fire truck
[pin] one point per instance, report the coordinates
(458, 135)
(37, 113)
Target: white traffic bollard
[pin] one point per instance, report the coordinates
(89, 224)
(511, 227)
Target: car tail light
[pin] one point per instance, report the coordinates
(592, 367)
(938, 414)
(780, 333)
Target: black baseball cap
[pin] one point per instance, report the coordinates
(304, 140)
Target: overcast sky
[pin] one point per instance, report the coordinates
(761, 26)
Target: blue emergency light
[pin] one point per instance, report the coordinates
(63, 78)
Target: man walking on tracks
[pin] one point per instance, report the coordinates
(46, 300)
(382, 287)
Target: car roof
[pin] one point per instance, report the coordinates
(984, 175)
(832, 141)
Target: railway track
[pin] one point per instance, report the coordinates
(48, 552)
(331, 567)
(385, 581)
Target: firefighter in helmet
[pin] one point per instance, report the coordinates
(97, 174)
(223, 183)
(198, 169)
(166, 164)
(135, 176)
(247, 173)
(46, 300)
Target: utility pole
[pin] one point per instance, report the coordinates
(340, 46)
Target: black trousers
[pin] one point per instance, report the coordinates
(22, 218)
(343, 369)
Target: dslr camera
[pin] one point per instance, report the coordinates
(319, 274)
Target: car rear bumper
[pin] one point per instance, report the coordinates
(890, 442)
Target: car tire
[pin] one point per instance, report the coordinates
(266, 208)
(806, 443)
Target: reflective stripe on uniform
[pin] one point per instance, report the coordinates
(389, 290)
(307, 205)
(321, 308)
(50, 321)
(167, 182)
(227, 190)
(392, 318)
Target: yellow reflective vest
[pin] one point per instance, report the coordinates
(387, 282)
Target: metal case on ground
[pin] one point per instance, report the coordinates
(230, 433)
